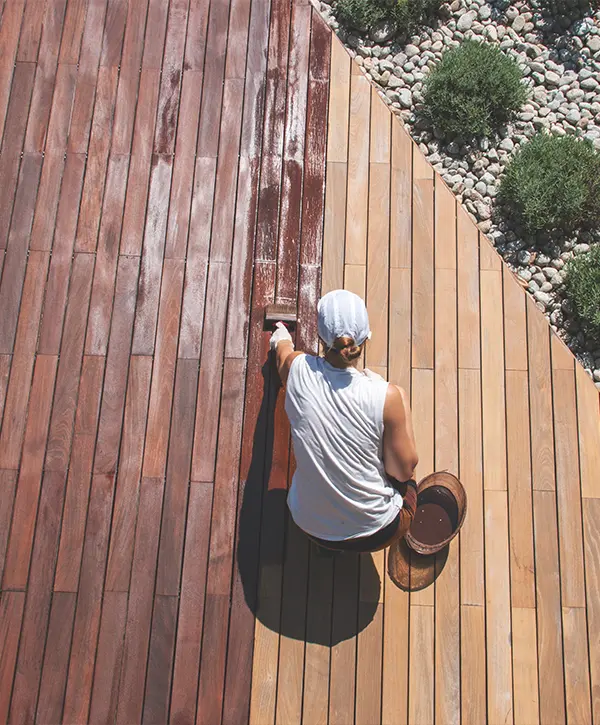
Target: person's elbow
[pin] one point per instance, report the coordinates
(408, 466)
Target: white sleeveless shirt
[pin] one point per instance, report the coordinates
(339, 490)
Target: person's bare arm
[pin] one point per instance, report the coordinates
(399, 450)
(284, 356)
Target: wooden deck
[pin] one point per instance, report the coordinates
(168, 167)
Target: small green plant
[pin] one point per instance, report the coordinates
(473, 90)
(553, 183)
(406, 15)
(582, 285)
(568, 8)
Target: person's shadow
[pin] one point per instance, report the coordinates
(289, 587)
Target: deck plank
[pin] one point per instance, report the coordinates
(591, 532)
(358, 171)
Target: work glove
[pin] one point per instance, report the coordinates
(281, 333)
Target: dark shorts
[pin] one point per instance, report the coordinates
(394, 530)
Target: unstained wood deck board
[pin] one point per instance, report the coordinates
(169, 168)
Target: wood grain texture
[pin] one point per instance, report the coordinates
(473, 665)
(422, 265)
(139, 611)
(568, 486)
(56, 658)
(577, 668)
(525, 665)
(420, 688)
(401, 199)
(11, 608)
(540, 397)
(589, 433)
(522, 568)
(591, 532)
(129, 475)
(469, 350)
(498, 619)
(20, 543)
(549, 619)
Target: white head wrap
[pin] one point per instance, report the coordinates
(342, 314)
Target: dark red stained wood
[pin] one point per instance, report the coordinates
(8, 484)
(130, 471)
(268, 208)
(139, 170)
(154, 41)
(227, 171)
(5, 361)
(209, 383)
(17, 395)
(184, 166)
(89, 601)
(51, 132)
(11, 615)
(9, 38)
(172, 68)
(236, 343)
(119, 346)
(16, 567)
(152, 256)
(195, 46)
(212, 666)
(62, 253)
(221, 551)
(177, 483)
(15, 261)
(80, 475)
(56, 659)
(31, 31)
(12, 143)
(297, 83)
(288, 251)
(46, 207)
(163, 372)
(160, 660)
(307, 336)
(129, 78)
(95, 173)
(46, 75)
(74, 515)
(105, 692)
(313, 199)
(226, 478)
(320, 49)
(71, 353)
(106, 257)
(237, 41)
(87, 77)
(191, 611)
(73, 30)
(192, 315)
(275, 103)
(214, 70)
(241, 626)
(114, 31)
(139, 613)
(39, 595)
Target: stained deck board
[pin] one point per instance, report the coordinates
(235, 153)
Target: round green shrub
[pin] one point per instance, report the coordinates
(406, 15)
(582, 285)
(553, 183)
(473, 90)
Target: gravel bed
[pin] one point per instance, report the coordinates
(560, 60)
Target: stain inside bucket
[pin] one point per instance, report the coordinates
(436, 516)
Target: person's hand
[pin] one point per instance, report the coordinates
(281, 333)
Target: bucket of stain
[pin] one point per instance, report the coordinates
(441, 510)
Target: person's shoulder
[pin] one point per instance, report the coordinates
(394, 404)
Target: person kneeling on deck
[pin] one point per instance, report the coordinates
(352, 434)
